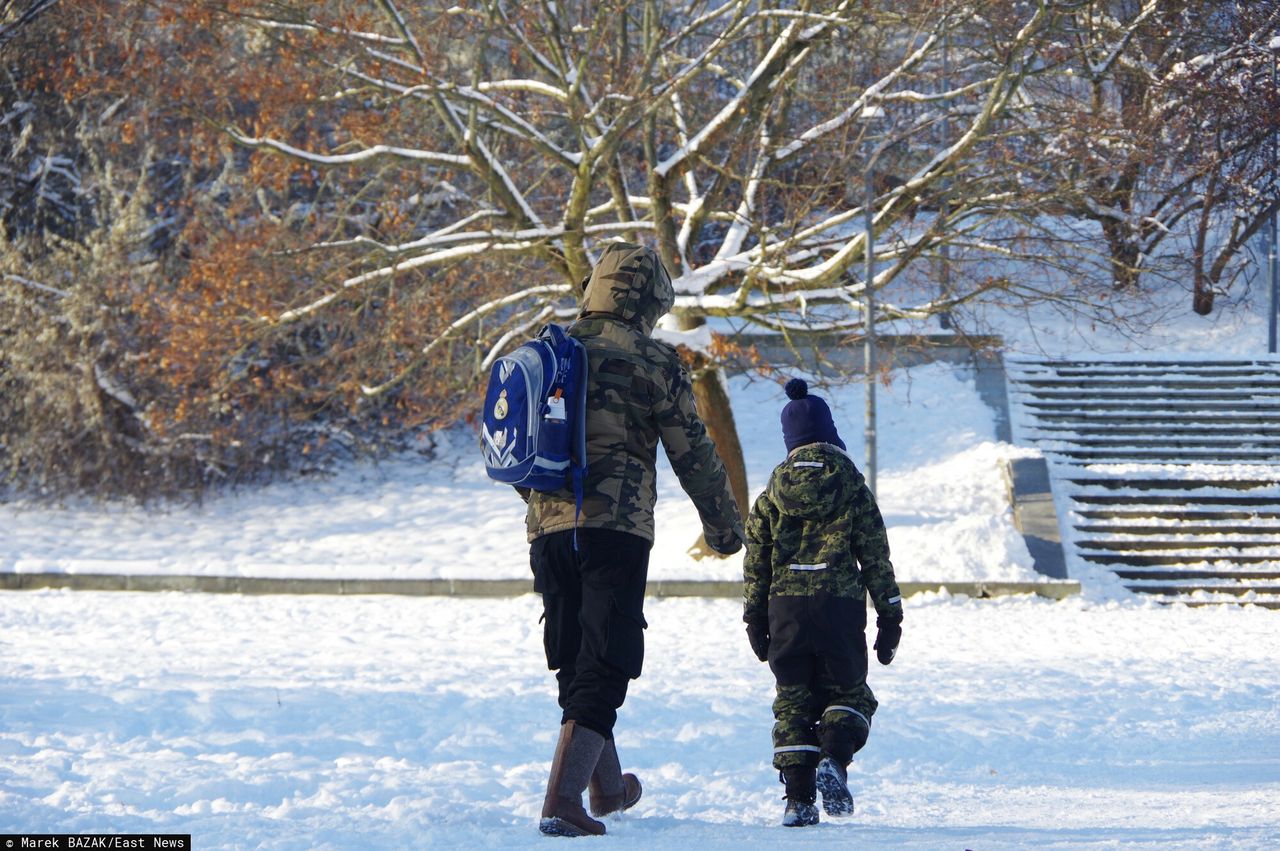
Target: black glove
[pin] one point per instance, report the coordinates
(888, 634)
(726, 542)
(758, 635)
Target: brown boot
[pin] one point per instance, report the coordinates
(611, 790)
(571, 767)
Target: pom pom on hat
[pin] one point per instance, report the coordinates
(796, 388)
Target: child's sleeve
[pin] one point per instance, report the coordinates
(757, 566)
(871, 547)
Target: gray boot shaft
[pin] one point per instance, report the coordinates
(577, 752)
(611, 790)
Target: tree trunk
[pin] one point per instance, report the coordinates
(1202, 294)
(1202, 299)
(1124, 255)
(712, 398)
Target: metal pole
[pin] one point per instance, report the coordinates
(1274, 302)
(944, 318)
(1274, 274)
(869, 340)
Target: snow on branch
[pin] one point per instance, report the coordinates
(346, 159)
(516, 126)
(872, 95)
(316, 27)
(36, 285)
(432, 258)
(536, 87)
(488, 164)
(1101, 69)
(447, 236)
(461, 324)
(108, 385)
(768, 70)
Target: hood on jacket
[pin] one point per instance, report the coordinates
(814, 482)
(629, 282)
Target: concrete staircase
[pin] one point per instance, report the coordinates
(1165, 471)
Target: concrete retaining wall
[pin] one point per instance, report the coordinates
(728, 589)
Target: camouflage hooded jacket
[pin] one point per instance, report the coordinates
(637, 394)
(815, 523)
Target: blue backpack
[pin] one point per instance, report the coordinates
(534, 432)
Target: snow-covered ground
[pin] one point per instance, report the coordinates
(364, 722)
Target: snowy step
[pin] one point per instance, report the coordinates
(1235, 589)
(1226, 374)
(1105, 438)
(1146, 501)
(1174, 379)
(1170, 559)
(1158, 441)
(1108, 430)
(1266, 390)
(1188, 515)
(1178, 528)
(1173, 444)
(1178, 484)
(1130, 366)
(1088, 394)
(1221, 548)
(1221, 375)
(1220, 457)
(1164, 575)
(1267, 383)
(1153, 423)
(1155, 406)
(1211, 600)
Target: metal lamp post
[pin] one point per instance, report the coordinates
(870, 114)
(1273, 271)
(944, 318)
(869, 321)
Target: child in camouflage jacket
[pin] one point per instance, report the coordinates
(816, 545)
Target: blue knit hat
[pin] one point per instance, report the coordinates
(807, 419)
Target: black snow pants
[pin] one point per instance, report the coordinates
(593, 618)
(818, 656)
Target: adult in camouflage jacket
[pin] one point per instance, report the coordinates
(593, 584)
(816, 545)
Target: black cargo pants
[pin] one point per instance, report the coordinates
(593, 618)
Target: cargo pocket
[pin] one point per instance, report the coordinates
(553, 604)
(624, 644)
(553, 638)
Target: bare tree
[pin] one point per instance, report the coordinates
(1156, 128)
(429, 182)
(731, 135)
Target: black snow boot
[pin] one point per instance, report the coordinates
(833, 782)
(801, 794)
